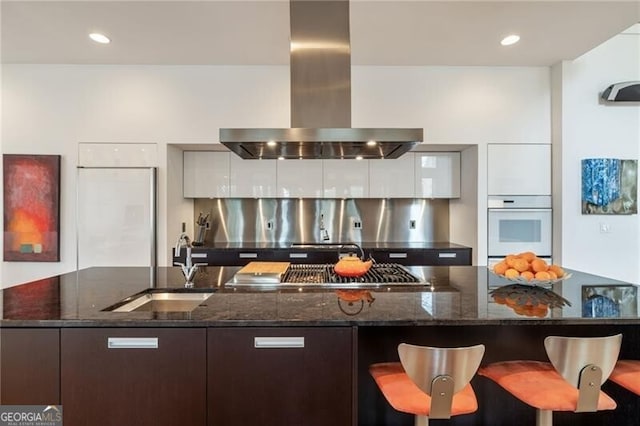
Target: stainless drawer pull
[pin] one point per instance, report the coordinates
(278, 342)
(248, 255)
(397, 255)
(297, 255)
(199, 255)
(132, 342)
(447, 255)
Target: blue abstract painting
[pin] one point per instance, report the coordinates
(609, 186)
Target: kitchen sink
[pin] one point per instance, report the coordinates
(162, 300)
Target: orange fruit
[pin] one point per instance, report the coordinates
(528, 256)
(520, 264)
(557, 270)
(539, 265)
(510, 259)
(500, 268)
(527, 275)
(552, 274)
(543, 276)
(511, 273)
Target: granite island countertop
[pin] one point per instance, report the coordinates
(449, 295)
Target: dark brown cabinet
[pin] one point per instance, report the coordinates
(280, 376)
(29, 366)
(145, 376)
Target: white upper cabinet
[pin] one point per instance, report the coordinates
(117, 154)
(206, 174)
(210, 174)
(437, 174)
(519, 169)
(345, 178)
(252, 178)
(392, 178)
(299, 178)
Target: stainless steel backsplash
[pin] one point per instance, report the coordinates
(283, 220)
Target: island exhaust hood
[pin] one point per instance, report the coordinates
(320, 63)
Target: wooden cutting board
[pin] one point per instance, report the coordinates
(257, 272)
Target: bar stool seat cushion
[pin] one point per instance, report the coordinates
(627, 375)
(539, 385)
(403, 395)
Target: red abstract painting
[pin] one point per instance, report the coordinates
(31, 207)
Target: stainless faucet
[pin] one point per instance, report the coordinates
(189, 268)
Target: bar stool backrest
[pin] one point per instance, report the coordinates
(423, 364)
(585, 363)
(569, 355)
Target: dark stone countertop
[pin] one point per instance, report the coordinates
(331, 245)
(455, 295)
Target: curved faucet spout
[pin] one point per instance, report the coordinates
(183, 240)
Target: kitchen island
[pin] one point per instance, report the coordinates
(55, 333)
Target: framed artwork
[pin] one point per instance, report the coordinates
(609, 186)
(31, 207)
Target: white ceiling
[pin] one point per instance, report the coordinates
(418, 32)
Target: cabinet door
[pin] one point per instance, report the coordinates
(29, 366)
(206, 174)
(345, 178)
(392, 178)
(117, 376)
(437, 174)
(280, 376)
(252, 178)
(519, 169)
(299, 178)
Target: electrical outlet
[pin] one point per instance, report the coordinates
(605, 228)
(412, 224)
(270, 224)
(357, 224)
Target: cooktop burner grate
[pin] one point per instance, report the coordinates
(380, 273)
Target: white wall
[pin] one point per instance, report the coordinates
(49, 109)
(589, 129)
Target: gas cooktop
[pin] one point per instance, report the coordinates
(324, 275)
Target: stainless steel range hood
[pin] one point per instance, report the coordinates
(320, 97)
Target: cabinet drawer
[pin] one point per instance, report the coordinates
(292, 376)
(407, 257)
(442, 257)
(153, 376)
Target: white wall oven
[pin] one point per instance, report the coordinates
(518, 224)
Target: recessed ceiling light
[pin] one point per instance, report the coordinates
(359, 157)
(510, 39)
(271, 143)
(371, 143)
(280, 158)
(100, 38)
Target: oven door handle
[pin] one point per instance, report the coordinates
(519, 210)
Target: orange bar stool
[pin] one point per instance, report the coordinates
(627, 374)
(571, 382)
(430, 382)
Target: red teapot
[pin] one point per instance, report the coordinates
(351, 265)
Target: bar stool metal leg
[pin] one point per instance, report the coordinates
(544, 418)
(422, 421)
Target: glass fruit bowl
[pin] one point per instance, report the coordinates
(533, 282)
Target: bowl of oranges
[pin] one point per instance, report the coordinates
(527, 268)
